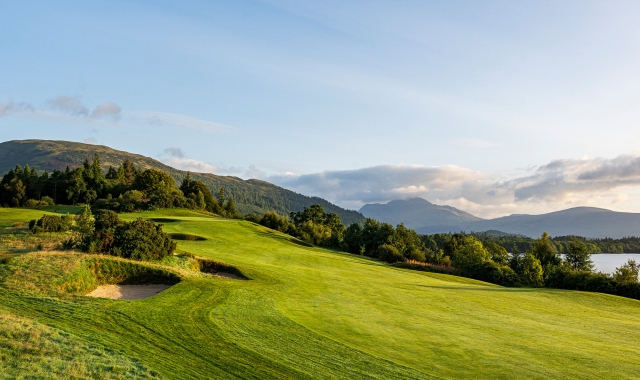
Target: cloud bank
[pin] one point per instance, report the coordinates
(558, 184)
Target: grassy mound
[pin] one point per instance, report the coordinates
(313, 313)
(63, 273)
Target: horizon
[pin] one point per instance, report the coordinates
(492, 108)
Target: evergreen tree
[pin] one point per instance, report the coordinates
(578, 256)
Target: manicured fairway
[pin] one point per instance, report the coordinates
(313, 313)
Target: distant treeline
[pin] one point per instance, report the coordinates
(125, 188)
(629, 244)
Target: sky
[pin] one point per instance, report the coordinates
(494, 107)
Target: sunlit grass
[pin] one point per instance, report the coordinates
(314, 313)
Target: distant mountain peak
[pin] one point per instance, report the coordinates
(416, 213)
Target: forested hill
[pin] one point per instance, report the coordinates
(250, 195)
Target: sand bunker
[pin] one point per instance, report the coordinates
(127, 292)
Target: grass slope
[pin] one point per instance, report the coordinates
(312, 313)
(251, 196)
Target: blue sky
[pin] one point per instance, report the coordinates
(337, 98)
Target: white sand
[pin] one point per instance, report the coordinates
(127, 292)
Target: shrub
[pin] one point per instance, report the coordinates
(141, 240)
(417, 255)
(31, 203)
(389, 254)
(51, 223)
(47, 201)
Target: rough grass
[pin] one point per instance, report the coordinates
(30, 350)
(313, 313)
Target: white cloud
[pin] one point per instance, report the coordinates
(107, 110)
(556, 185)
(189, 164)
(174, 152)
(14, 108)
(69, 105)
(179, 121)
(91, 140)
(67, 109)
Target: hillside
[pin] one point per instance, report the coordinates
(417, 213)
(250, 195)
(306, 313)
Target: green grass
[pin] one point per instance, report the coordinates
(313, 313)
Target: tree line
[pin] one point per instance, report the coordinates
(629, 244)
(125, 188)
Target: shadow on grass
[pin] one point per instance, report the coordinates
(488, 288)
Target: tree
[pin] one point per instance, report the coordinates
(153, 180)
(531, 270)
(470, 253)
(221, 196)
(85, 225)
(498, 254)
(76, 186)
(627, 273)
(353, 238)
(129, 172)
(16, 192)
(515, 260)
(545, 251)
(578, 256)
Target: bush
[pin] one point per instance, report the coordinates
(47, 201)
(389, 254)
(417, 255)
(31, 203)
(141, 240)
(51, 223)
(494, 273)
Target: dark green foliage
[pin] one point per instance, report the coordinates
(141, 240)
(578, 256)
(152, 181)
(200, 194)
(627, 273)
(498, 254)
(274, 221)
(531, 270)
(544, 250)
(51, 223)
(390, 254)
(137, 240)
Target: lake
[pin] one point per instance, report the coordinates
(608, 262)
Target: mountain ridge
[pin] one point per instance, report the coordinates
(589, 222)
(250, 196)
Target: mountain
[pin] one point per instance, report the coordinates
(418, 213)
(250, 195)
(428, 218)
(589, 222)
